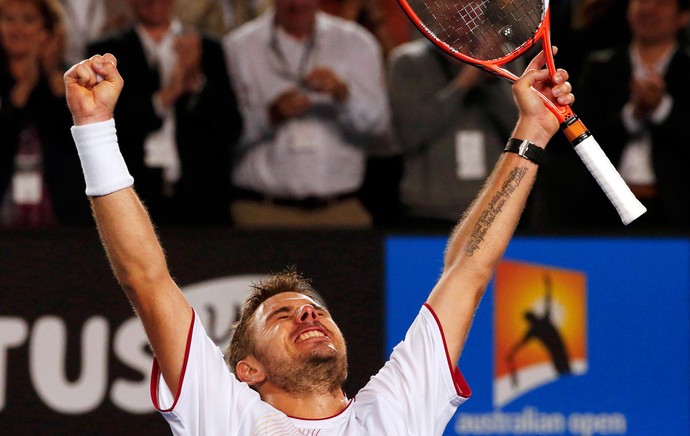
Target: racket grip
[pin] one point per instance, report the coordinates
(628, 206)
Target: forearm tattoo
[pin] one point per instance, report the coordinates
(494, 208)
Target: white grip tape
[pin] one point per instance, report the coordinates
(105, 170)
(628, 206)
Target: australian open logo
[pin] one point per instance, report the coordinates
(540, 328)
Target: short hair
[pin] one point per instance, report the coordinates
(242, 342)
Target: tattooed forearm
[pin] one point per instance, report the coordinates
(494, 208)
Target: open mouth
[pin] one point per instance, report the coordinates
(311, 334)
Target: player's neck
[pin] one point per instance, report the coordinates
(311, 406)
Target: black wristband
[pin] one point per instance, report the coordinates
(525, 149)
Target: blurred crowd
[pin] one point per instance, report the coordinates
(334, 114)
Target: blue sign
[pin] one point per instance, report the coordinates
(631, 335)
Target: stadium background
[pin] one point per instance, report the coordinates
(638, 333)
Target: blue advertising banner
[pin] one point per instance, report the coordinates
(574, 336)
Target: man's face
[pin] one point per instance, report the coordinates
(296, 16)
(299, 344)
(152, 12)
(655, 20)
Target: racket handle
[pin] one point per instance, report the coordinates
(628, 206)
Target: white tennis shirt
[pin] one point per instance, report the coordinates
(415, 393)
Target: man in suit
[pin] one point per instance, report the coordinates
(642, 122)
(178, 116)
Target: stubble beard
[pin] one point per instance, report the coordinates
(318, 372)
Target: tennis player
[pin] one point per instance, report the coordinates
(287, 361)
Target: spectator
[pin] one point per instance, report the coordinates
(451, 120)
(642, 123)
(380, 191)
(312, 91)
(562, 198)
(37, 189)
(177, 145)
(88, 20)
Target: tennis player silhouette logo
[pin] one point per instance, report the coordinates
(540, 327)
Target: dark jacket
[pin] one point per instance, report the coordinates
(208, 125)
(604, 91)
(51, 120)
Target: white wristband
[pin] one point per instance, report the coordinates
(104, 167)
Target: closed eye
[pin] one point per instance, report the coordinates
(281, 313)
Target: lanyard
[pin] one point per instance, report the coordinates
(283, 67)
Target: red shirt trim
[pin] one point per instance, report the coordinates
(155, 372)
(461, 386)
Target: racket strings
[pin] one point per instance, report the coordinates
(481, 29)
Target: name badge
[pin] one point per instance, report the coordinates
(27, 187)
(304, 136)
(470, 156)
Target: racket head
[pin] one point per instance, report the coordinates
(488, 34)
(485, 33)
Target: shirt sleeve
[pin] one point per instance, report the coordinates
(366, 111)
(419, 383)
(210, 400)
(256, 125)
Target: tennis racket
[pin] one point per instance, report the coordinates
(491, 33)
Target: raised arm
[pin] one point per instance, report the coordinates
(480, 239)
(126, 231)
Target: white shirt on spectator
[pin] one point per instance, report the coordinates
(321, 153)
(160, 148)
